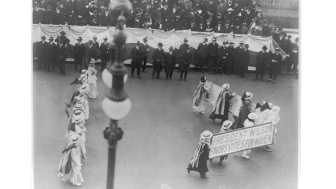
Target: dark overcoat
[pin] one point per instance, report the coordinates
(158, 58)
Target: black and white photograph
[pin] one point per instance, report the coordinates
(166, 94)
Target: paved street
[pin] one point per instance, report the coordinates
(161, 134)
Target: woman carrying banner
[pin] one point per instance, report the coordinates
(225, 128)
(245, 110)
(70, 166)
(199, 161)
(272, 116)
(222, 105)
(200, 96)
(249, 122)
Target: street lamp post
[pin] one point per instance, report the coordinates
(116, 104)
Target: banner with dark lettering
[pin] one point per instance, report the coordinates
(242, 139)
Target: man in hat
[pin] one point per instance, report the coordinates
(80, 21)
(42, 52)
(231, 59)
(104, 53)
(238, 54)
(222, 58)
(58, 17)
(158, 60)
(193, 25)
(71, 20)
(244, 61)
(61, 57)
(94, 19)
(105, 19)
(247, 17)
(263, 60)
(201, 156)
(237, 29)
(177, 25)
(91, 52)
(52, 52)
(245, 110)
(79, 53)
(185, 64)
(275, 65)
(227, 28)
(222, 104)
(249, 122)
(219, 28)
(212, 55)
(183, 48)
(95, 43)
(226, 126)
(201, 53)
(201, 27)
(136, 55)
(62, 39)
(170, 61)
(145, 50)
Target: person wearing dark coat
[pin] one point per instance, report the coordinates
(201, 156)
(51, 56)
(275, 65)
(61, 57)
(136, 55)
(177, 25)
(104, 53)
(79, 7)
(227, 28)
(105, 19)
(58, 17)
(238, 54)
(245, 110)
(185, 63)
(266, 30)
(42, 48)
(201, 27)
(231, 59)
(158, 60)
(47, 16)
(212, 56)
(201, 54)
(95, 43)
(222, 58)
(183, 48)
(219, 28)
(244, 61)
(263, 60)
(193, 25)
(91, 52)
(80, 21)
(169, 63)
(145, 50)
(71, 21)
(294, 56)
(247, 17)
(94, 19)
(237, 29)
(79, 53)
(37, 16)
(62, 39)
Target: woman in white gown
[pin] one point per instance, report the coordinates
(83, 92)
(199, 96)
(92, 80)
(272, 116)
(70, 165)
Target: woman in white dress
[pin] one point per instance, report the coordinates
(200, 96)
(249, 122)
(272, 116)
(70, 165)
(79, 129)
(83, 92)
(92, 80)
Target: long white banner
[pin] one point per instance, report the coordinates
(241, 139)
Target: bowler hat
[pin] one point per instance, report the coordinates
(264, 47)
(160, 44)
(62, 33)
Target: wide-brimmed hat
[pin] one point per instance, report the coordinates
(84, 86)
(275, 109)
(203, 79)
(78, 105)
(248, 95)
(206, 136)
(160, 44)
(227, 124)
(79, 39)
(78, 117)
(93, 61)
(84, 71)
(230, 10)
(253, 116)
(226, 86)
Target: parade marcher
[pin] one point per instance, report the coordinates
(136, 56)
(51, 57)
(274, 118)
(249, 122)
(222, 104)
(170, 63)
(83, 92)
(222, 58)
(70, 164)
(61, 57)
(226, 126)
(212, 55)
(201, 53)
(245, 110)
(158, 59)
(91, 52)
(244, 61)
(199, 96)
(145, 50)
(104, 53)
(183, 48)
(92, 80)
(79, 129)
(238, 54)
(231, 59)
(201, 156)
(42, 53)
(275, 65)
(185, 64)
(79, 53)
(263, 59)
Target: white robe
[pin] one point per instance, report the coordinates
(92, 81)
(199, 98)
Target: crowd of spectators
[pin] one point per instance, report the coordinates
(220, 16)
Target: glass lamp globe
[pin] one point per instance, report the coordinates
(116, 110)
(107, 78)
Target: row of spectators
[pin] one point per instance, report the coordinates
(221, 16)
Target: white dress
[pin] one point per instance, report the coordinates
(92, 81)
(200, 98)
